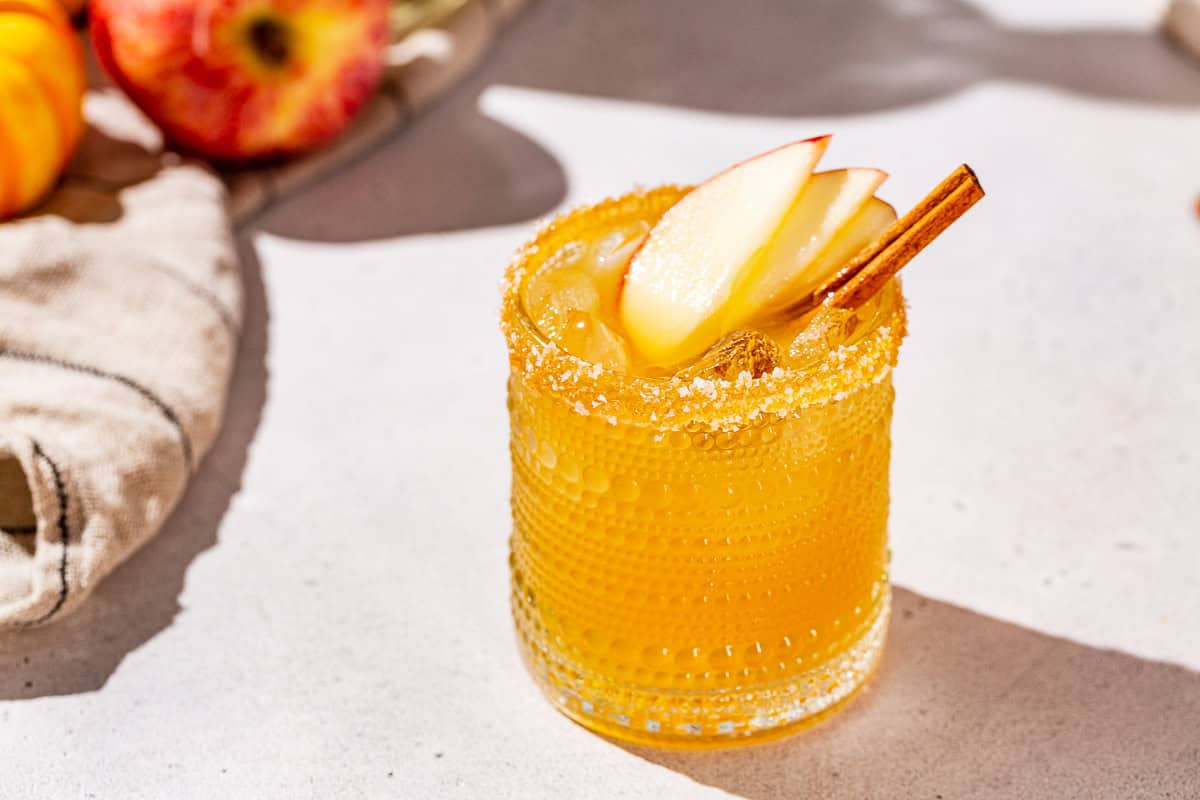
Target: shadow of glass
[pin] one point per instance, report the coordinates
(81, 651)
(968, 706)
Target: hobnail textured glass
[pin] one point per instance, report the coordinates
(696, 564)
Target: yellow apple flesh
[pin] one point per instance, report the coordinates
(829, 201)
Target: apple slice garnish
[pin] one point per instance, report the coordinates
(683, 284)
(866, 226)
(795, 263)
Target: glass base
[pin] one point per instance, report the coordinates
(711, 719)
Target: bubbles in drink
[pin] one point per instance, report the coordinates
(751, 352)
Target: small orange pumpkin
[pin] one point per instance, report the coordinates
(42, 81)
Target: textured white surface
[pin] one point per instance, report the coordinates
(326, 616)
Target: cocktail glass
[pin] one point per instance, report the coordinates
(697, 563)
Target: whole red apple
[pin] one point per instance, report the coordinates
(237, 80)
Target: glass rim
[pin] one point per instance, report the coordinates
(662, 401)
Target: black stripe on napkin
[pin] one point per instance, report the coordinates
(185, 441)
(202, 294)
(64, 535)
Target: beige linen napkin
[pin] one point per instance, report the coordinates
(119, 314)
(120, 308)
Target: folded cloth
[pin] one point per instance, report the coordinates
(1182, 24)
(120, 308)
(119, 314)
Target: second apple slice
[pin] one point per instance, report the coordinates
(793, 264)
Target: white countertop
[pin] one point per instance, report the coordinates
(326, 614)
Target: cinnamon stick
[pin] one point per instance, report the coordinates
(876, 263)
(882, 259)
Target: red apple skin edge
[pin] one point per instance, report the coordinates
(825, 137)
(197, 79)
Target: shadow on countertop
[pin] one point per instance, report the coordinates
(825, 57)
(140, 598)
(968, 706)
(455, 169)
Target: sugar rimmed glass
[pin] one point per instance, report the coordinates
(696, 563)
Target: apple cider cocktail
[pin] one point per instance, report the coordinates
(700, 442)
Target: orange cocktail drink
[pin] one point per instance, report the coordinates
(699, 556)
